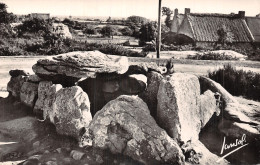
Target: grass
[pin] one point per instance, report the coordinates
(238, 82)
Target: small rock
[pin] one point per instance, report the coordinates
(46, 152)
(58, 150)
(36, 144)
(53, 159)
(51, 163)
(77, 155)
(36, 157)
(99, 159)
(67, 160)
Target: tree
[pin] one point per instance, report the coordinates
(168, 12)
(135, 29)
(90, 30)
(148, 32)
(109, 19)
(35, 25)
(137, 20)
(6, 17)
(69, 22)
(225, 35)
(127, 31)
(108, 31)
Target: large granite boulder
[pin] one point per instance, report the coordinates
(178, 110)
(150, 94)
(46, 94)
(208, 107)
(124, 126)
(70, 111)
(29, 93)
(142, 68)
(76, 65)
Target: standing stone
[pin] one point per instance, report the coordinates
(46, 94)
(178, 110)
(48, 101)
(15, 84)
(28, 94)
(207, 107)
(150, 94)
(70, 111)
(124, 126)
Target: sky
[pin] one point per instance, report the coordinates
(125, 8)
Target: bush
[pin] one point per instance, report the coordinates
(35, 25)
(10, 51)
(211, 56)
(238, 82)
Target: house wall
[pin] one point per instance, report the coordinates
(175, 25)
(239, 45)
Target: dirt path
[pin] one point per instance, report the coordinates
(181, 65)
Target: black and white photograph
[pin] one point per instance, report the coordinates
(129, 82)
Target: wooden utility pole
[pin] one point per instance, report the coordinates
(159, 29)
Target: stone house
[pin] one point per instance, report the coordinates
(203, 28)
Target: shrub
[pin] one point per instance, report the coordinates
(238, 82)
(10, 51)
(35, 25)
(211, 56)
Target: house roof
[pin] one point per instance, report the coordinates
(180, 18)
(205, 27)
(254, 26)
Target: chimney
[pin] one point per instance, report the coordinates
(176, 12)
(241, 14)
(187, 11)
